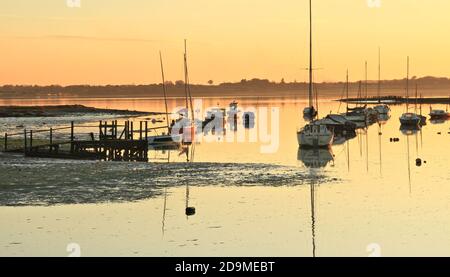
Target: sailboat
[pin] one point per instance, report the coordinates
(356, 114)
(170, 138)
(313, 134)
(439, 114)
(310, 112)
(423, 119)
(382, 109)
(185, 126)
(407, 118)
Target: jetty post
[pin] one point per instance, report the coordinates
(31, 139)
(71, 137)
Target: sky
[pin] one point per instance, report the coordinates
(117, 42)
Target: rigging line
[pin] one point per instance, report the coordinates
(342, 96)
(164, 89)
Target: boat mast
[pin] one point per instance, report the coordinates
(379, 75)
(415, 106)
(187, 87)
(164, 89)
(310, 57)
(366, 83)
(346, 88)
(186, 80)
(407, 83)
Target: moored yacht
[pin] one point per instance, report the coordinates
(408, 118)
(380, 108)
(315, 135)
(310, 112)
(170, 138)
(439, 114)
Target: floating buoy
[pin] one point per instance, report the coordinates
(439, 133)
(190, 211)
(418, 162)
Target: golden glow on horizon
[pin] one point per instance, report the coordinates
(117, 42)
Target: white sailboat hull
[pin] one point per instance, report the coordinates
(314, 140)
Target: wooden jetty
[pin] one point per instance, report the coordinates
(111, 142)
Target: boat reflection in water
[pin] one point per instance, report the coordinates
(342, 138)
(437, 121)
(408, 130)
(315, 157)
(383, 118)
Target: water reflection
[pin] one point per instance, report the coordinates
(409, 130)
(315, 157)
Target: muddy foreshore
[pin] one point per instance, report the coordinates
(62, 110)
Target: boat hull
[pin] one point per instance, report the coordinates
(164, 140)
(355, 118)
(314, 140)
(382, 109)
(410, 122)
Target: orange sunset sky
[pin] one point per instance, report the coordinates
(117, 41)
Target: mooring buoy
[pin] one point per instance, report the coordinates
(190, 211)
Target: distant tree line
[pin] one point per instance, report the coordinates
(255, 85)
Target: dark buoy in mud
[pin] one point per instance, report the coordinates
(418, 162)
(190, 211)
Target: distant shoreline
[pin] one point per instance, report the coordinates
(427, 86)
(62, 110)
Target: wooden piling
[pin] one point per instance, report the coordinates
(146, 131)
(132, 131)
(51, 139)
(25, 141)
(31, 139)
(71, 137)
(6, 142)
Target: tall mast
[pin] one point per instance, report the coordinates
(415, 105)
(188, 90)
(379, 75)
(310, 57)
(164, 88)
(185, 79)
(366, 82)
(407, 83)
(346, 88)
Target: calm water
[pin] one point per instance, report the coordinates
(366, 195)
